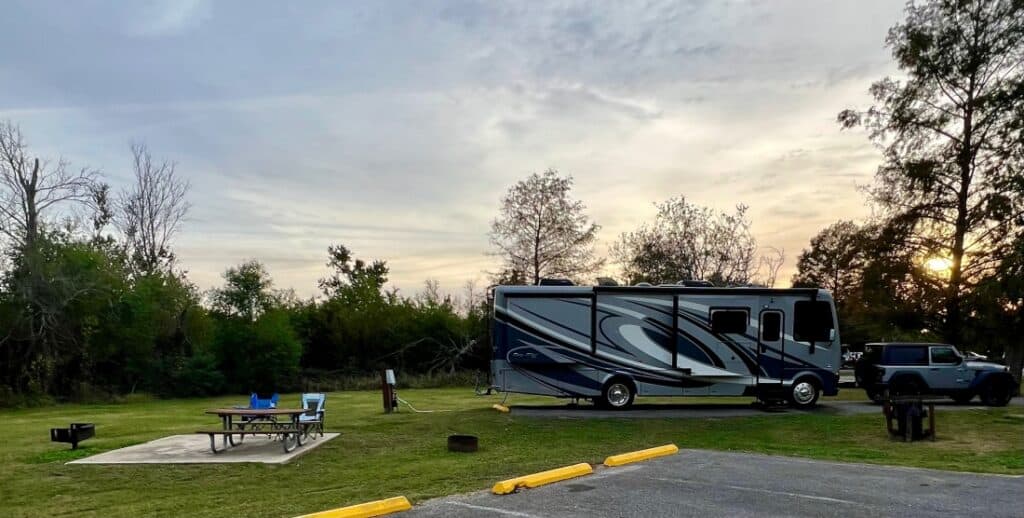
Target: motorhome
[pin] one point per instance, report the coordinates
(610, 344)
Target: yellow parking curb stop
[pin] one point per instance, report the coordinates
(539, 479)
(376, 508)
(637, 456)
(500, 408)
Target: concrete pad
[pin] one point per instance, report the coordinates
(195, 449)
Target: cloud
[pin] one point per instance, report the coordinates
(394, 128)
(158, 18)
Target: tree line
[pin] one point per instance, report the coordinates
(93, 300)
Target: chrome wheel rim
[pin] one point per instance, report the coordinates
(803, 392)
(618, 395)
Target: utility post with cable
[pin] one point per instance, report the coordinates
(388, 391)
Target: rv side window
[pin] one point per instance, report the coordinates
(771, 326)
(812, 321)
(729, 320)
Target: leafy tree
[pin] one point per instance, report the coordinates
(687, 241)
(951, 134)
(353, 279)
(834, 261)
(898, 298)
(509, 277)
(256, 347)
(997, 316)
(56, 300)
(247, 292)
(158, 326)
(541, 231)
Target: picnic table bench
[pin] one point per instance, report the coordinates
(264, 421)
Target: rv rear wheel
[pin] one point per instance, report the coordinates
(804, 393)
(618, 394)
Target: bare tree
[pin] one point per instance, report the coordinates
(431, 294)
(687, 241)
(771, 263)
(151, 211)
(31, 188)
(543, 232)
(472, 297)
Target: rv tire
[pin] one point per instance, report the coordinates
(804, 393)
(617, 394)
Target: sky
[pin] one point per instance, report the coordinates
(395, 127)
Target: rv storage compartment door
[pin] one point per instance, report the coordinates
(634, 331)
(553, 329)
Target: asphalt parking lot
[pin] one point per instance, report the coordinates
(707, 483)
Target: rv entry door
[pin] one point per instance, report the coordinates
(770, 350)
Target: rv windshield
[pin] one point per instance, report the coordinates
(812, 321)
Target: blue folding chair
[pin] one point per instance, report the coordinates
(255, 402)
(258, 403)
(313, 419)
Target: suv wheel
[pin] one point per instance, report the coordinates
(996, 392)
(876, 396)
(804, 393)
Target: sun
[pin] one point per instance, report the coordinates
(938, 265)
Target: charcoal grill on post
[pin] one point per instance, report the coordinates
(73, 434)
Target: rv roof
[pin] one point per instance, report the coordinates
(579, 290)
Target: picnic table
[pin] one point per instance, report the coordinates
(236, 423)
(909, 413)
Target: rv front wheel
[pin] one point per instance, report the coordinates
(617, 394)
(804, 393)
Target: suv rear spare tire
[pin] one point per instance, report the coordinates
(906, 386)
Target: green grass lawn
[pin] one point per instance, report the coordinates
(382, 455)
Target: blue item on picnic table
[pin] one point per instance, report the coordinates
(256, 402)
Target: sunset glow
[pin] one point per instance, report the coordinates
(939, 265)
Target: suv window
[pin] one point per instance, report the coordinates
(906, 355)
(812, 321)
(945, 356)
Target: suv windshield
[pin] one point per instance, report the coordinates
(945, 356)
